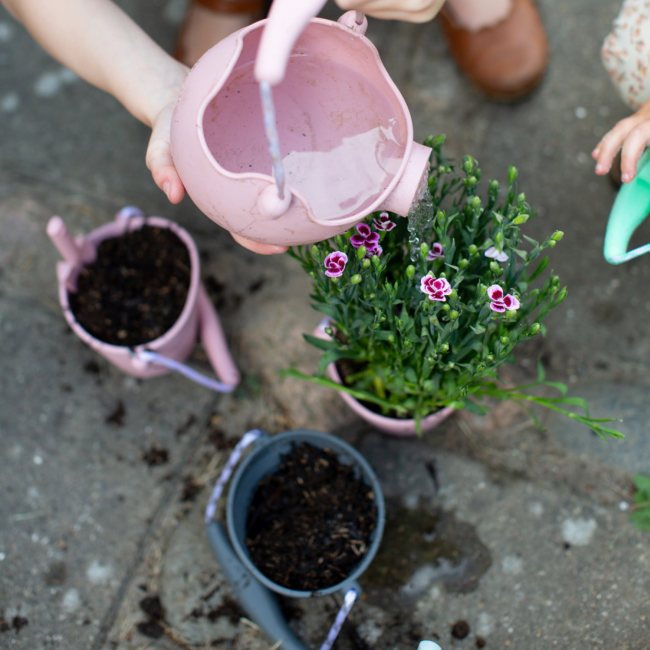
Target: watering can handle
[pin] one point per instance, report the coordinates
(287, 20)
(630, 209)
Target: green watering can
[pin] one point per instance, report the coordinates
(631, 207)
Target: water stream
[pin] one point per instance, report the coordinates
(420, 218)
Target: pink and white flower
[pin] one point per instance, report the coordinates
(377, 250)
(436, 289)
(495, 255)
(500, 302)
(436, 251)
(384, 223)
(365, 237)
(335, 264)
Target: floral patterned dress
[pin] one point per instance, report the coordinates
(626, 52)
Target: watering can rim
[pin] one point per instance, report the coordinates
(268, 179)
(96, 236)
(358, 458)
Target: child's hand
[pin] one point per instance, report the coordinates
(412, 11)
(633, 135)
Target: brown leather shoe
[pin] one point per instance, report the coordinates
(209, 21)
(506, 61)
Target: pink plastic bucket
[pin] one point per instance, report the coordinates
(198, 315)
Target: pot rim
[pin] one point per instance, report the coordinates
(338, 446)
(111, 231)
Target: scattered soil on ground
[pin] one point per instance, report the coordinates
(116, 417)
(136, 289)
(460, 629)
(155, 612)
(190, 489)
(155, 455)
(228, 608)
(310, 523)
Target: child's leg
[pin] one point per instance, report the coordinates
(209, 21)
(626, 52)
(479, 14)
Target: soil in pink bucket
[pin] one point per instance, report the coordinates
(136, 289)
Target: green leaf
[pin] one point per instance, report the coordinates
(321, 344)
(478, 328)
(558, 386)
(642, 484)
(531, 241)
(522, 254)
(409, 374)
(475, 407)
(329, 358)
(540, 269)
(641, 519)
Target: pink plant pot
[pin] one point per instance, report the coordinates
(392, 426)
(198, 315)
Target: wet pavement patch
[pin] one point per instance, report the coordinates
(424, 546)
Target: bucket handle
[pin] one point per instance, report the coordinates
(247, 588)
(630, 209)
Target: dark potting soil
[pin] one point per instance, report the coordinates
(309, 524)
(136, 289)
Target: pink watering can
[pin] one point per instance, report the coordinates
(168, 352)
(340, 136)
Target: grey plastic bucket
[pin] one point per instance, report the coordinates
(251, 587)
(264, 460)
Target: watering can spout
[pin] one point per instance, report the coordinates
(412, 184)
(287, 20)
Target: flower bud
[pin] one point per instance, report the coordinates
(521, 199)
(453, 315)
(444, 348)
(314, 251)
(341, 242)
(355, 279)
(463, 264)
(554, 289)
(428, 385)
(424, 249)
(446, 307)
(375, 261)
(481, 367)
(410, 271)
(504, 340)
(468, 164)
(472, 250)
(557, 235)
(441, 169)
(329, 331)
(361, 252)
(512, 174)
(389, 288)
(442, 275)
(498, 241)
(450, 366)
(453, 294)
(335, 280)
(391, 339)
(476, 203)
(552, 243)
(399, 323)
(312, 274)
(534, 329)
(463, 391)
(555, 279)
(371, 296)
(511, 313)
(495, 268)
(522, 218)
(561, 296)
(382, 319)
(365, 264)
(471, 181)
(494, 186)
(489, 358)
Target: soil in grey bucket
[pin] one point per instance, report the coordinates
(311, 521)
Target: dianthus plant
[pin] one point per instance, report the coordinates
(423, 311)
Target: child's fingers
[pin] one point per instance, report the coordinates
(609, 146)
(256, 247)
(159, 158)
(633, 147)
